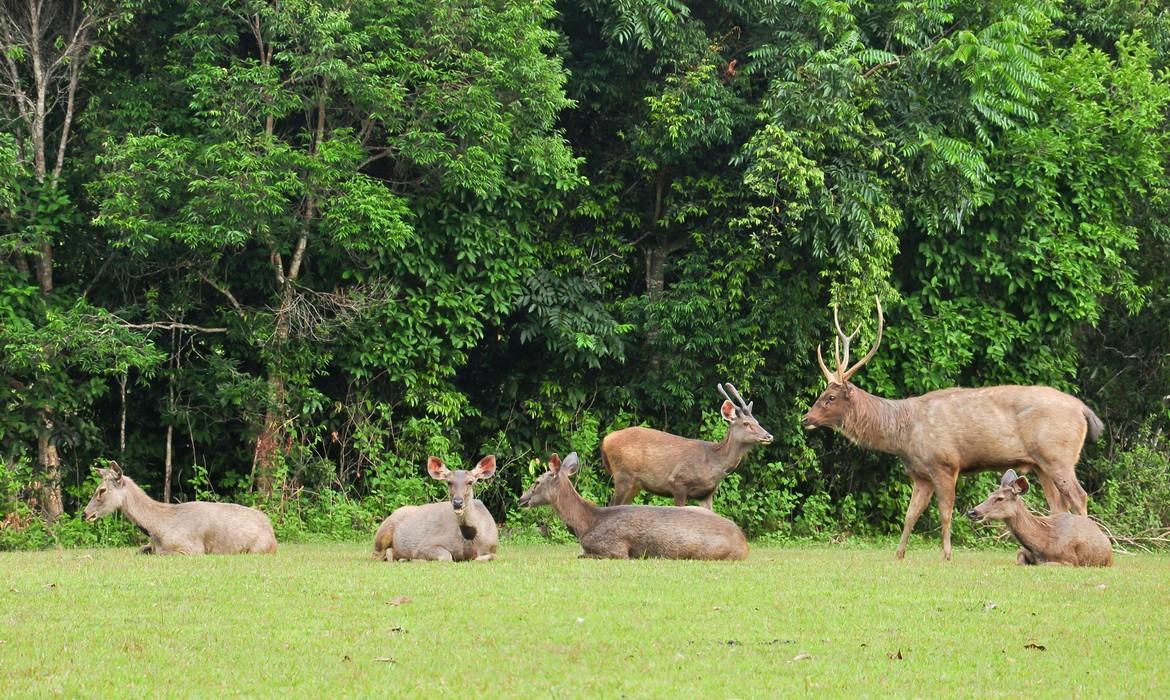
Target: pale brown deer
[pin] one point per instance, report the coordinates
(197, 527)
(633, 532)
(670, 465)
(946, 432)
(458, 529)
(1062, 538)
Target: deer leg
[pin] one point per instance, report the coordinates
(708, 502)
(680, 498)
(434, 553)
(1052, 494)
(486, 557)
(919, 499)
(945, 493)
(1024, 558)
(624, 491)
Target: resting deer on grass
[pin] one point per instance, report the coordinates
(457, 529)
(632, 532)
(1062, 538)
(196, 527)
(670, 465)
(944, 433)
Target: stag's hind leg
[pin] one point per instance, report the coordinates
(1056, 502)
(625, 489)
(919, 499)
(944, 492)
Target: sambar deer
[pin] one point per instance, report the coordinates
(634, 532)
(196, 527)
(458, 529)
(1062, 538)
(943, 433)
(671, 465)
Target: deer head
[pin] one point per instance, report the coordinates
(460, 482)
(109, 495)
(548, 484)
(1003, 501)
(743, 426)
(833, 404)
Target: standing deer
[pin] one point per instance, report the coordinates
(1062, 538)
(197, 527)
(624, 532)
(671, 465)
(458, 529)
(946, 432)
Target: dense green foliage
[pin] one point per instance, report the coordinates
(280, 252)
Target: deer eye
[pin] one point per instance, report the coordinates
(998, 499)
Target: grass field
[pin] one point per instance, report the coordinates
(326, 621)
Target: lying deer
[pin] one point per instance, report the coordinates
(197, 527)
(624, 532)
(455, 530)
(669, 465)
(1062, 538)
(946, 432)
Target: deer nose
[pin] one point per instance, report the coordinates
(457, 503)
(972, 514)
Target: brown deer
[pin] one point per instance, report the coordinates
(458, 529)
(1062, 538)
(625, 532)
(197, 527)
(946, 432)
(671, 465)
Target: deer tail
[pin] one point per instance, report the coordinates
(1095, 424)
(384, 539)
(605, 459)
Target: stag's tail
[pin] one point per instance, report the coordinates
(1095, 424)
(605, 459)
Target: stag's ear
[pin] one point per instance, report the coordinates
(729, 412)
(437, 469)
(1020, 485)
(116, 472)
(486, 468)
(571, 464)
(1009, 477)
(554, 463)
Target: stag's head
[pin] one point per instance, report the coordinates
(742, 425)
(831, 407)
(546, 486)
(1003, 502)
(460, 482)
(109, 494)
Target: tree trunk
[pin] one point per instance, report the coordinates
(50, 488)
(268, 442)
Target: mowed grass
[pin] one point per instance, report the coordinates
(327, 621)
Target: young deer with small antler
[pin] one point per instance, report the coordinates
(1062, 538)
(671, 465)
(946, 432)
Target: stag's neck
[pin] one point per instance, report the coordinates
(1030, 530)
(580, 515)
(726, 455)
(877, 423)
(141, 509)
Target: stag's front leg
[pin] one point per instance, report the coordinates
(919, 499)
(945, 492)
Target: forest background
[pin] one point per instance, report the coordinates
(280, 252)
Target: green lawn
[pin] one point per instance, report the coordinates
(321, 621)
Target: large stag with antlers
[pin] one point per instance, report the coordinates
(944, 433)
(671, 465)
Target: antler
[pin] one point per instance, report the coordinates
(841, 349)
(872, 351)
(744, 406)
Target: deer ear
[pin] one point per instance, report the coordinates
(1020, 485)
(554, 462)
(571, 464)
(486, 467)
(1008, 478)
(728, 411)
(437, 469)
(116, 472)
